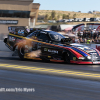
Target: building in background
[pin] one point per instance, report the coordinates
(17, 13)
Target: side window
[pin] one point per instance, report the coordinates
(43, 36)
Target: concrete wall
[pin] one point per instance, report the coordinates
(15, 5)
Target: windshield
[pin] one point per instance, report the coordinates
(56, 36)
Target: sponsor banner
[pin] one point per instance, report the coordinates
(97, 46)
(80, 28)
(8, 21)
(94, 26)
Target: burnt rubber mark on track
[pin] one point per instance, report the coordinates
(9, 58)
(52, 71)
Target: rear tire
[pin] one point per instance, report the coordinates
(67, 58)
(21, 52)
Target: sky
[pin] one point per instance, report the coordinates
(69, 5)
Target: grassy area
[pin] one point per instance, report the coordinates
(68, 23)
(60, 13)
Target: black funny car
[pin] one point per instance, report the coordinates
(49, 45)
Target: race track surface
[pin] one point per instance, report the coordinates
(47, 87)
(51, 81)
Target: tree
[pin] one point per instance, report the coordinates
(53, 14)
(64, 16)
(46, 17)
(67, 16)
(50, 18)
(55, 18)
(74, 15)
(58, 17)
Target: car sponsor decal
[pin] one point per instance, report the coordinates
(52, 51)
(12, 38)
(39, 45)
(45, 49)
(49, 56)
(21, 32)
(74, 58)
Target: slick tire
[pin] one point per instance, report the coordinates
(67, 58)
(21, 52)
(45, 60)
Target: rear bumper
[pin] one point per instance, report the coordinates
(85, 62)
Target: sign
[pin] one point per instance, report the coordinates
(98, 29)
(96, 46)
(45, 49)
(80, 28)
(8, 21)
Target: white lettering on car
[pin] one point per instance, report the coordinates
(53, 51)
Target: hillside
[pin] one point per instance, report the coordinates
(60, 13)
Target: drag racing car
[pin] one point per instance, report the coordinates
(49, 46)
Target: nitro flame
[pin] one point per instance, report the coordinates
(34, 54)
(27, 44)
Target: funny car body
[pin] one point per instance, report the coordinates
(49, 45)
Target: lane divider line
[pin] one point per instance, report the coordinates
(52, 70)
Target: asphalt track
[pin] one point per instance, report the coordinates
(51, 81)
(47, 87)
(90, 72)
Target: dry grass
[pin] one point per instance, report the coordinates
(68, 23)
(78, 14)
